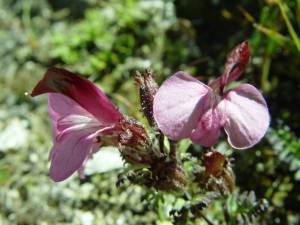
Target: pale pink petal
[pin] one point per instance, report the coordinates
(247, 116)
(74, 130)
(80, 170)
(74, 145)
(176, 105)
(211, 119)
(76, 123)
(202, 136)
(59, 107)
(70, 153)
(81, 90)
(71, 148)
(215, 85)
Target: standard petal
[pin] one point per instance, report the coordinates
(236, 62)
(247, 116)
(60, 106)
(81, 90)
(176, 105)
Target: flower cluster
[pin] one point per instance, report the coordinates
(186, 108)
(84, 120)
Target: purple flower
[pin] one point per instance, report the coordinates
(81, 114)
(187, 108)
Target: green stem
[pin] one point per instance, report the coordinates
(290, 27)
(298, 12)
(265, 85)
(160, 210)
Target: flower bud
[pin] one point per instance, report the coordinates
(218, 173)
(213, 162)
(134, 134)
(134, 143)
(170, 177)
(147, 91)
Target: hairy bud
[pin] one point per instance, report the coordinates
(134, 143)
(147, 91)
(170, 177)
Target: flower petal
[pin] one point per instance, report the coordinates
(203, 136)
(236, 62)
(176, 105)
(70, 154)
(247, 116)
(59, 107)
(211, 119)
(81, 90)
(76, 123)
(80, 170)
(73, 131)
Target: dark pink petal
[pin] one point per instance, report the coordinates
(81, 90)
(176, 105)
(236, 62)
(247, 116)
(60, 106)
(211, 119)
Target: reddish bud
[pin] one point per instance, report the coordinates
(134, 142)
(214, 163)
(218, 173)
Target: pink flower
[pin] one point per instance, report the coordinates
(187, 108)
(81, 114)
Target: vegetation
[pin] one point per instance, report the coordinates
(105, 41)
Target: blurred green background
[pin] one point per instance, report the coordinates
(105, 41)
